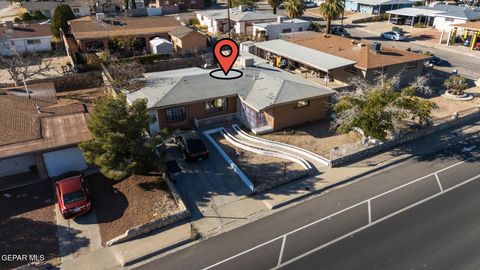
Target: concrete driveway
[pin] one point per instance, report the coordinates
(207, 186)
(78, 236)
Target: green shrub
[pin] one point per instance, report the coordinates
(26, 17)
(145, 59)
(17, 20)
(419, 25)
(397, 29)
(456, 84)
(193, 21)
(39, 15)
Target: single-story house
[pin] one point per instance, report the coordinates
(351, 57)
(377, 6)
(241, 19)
(272, 30)
(440, 16)
(24, 38)
(94, 35)
(264, 99)
(39, 136)
(47, 8)
(186, 40)
(182, 4)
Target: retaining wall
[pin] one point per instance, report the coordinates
(405, 138)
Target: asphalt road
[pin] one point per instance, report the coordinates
(291, 238)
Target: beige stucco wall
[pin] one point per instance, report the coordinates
(189, 43)
(289, 115)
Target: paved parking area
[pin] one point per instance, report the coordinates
(292, 247)
(208, 185)
(78, 236)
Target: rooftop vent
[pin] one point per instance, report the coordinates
(376, 47)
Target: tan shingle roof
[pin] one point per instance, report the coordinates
(90, 28)
(27, 31)
(352, 50)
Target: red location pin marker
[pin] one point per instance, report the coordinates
(226, 61)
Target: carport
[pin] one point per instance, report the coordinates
(469, 29)
(301, 58)
(419, 15)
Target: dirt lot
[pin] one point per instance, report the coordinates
(27, 222)
(134, 201)
(258, 168)
(56, 64)
(448, 106)
(315, 137)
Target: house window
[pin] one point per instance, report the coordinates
(34, 41)
(303, 103)
(449, 19)
(300, 29)
(175, 114)
(216, 105)
(289, 30)
(6, 43)
(411, 65)
(76, 10)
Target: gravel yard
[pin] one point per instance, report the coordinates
(259, 168)
(315, 136)
(27, 222)
(129, 203)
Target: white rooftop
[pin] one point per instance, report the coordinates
(316, 59)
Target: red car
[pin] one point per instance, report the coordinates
(72, 195)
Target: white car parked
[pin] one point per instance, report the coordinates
(393, 35)
(309, 4)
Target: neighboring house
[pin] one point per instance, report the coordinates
(47, 8)
(348, 58)
(471, 29)
(182, 4)
(186, 40)
(21, 39)
(377, 6)
(241, 19)
(265, 99)
(272, 30)
(439, 16)
(39, 136)
(94, 35)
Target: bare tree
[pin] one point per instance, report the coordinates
(23, 66)
(125, 75)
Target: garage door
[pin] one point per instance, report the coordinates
(65, 160)
(16, 165)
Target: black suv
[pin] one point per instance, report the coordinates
(339, 31)
(191, 145)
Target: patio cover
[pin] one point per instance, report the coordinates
(310, 57)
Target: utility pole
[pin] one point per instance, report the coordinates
(228, 16)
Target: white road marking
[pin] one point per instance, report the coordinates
(439, 183)
(341, 211)
(369, 211)
(375, 222)
(281, 250)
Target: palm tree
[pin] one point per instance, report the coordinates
(294, 8)
(274, 4)
(330, 10)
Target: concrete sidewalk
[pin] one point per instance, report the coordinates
(251, 208)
